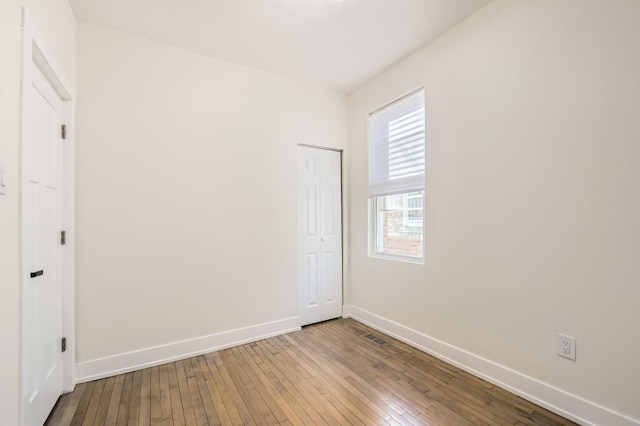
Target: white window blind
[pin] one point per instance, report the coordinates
(396, 147)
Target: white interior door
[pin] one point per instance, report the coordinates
(42, 285)
(319, 234)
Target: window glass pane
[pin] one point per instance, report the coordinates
(399, 222)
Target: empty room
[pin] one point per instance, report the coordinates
(319, 212)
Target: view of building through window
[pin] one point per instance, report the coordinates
(399, 224)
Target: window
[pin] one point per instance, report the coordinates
(396, 179)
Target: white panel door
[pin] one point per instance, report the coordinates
(319, 234)
(42, 286)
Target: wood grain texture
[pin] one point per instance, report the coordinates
(326, 374)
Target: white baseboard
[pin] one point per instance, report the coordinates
(543, 394)
(157, 355)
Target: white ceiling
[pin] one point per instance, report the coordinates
(337, 44)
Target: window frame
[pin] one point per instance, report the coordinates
(372, 232)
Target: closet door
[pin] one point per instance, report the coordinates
(319, 234)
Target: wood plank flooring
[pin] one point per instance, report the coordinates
(331, 373)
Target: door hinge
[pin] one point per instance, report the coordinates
(63, 237)
(64, 344)
(63, 131)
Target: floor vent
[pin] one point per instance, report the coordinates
(375, 339)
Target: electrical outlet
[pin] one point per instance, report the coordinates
(566, 346)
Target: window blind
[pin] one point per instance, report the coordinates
(396, 147)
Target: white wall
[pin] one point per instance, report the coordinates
(533, 194)
(186, 191)
(56, 22)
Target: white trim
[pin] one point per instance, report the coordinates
(326, 148)
(68, 270)
(36, 53)
(399, 98)
(157, 355)
(397, 257)
(543, 394)
(44, 58)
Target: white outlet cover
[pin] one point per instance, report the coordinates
(566, 346)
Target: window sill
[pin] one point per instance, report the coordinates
(399, 258)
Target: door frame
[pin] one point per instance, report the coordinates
(342, 224)
(36, 53)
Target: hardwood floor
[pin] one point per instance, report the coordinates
(330, 373)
